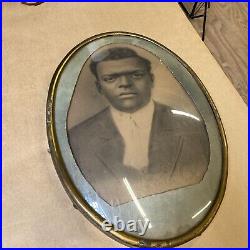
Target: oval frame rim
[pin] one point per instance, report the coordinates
(71, 190)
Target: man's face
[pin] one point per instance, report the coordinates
(126, 83)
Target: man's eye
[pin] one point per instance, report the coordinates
(109, 79)
(138, 75)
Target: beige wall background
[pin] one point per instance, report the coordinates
(36, 210)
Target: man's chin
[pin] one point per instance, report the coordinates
(128, 108)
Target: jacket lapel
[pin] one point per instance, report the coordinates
(110, 146)
(165, 144)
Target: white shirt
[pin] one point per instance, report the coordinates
(135, 129)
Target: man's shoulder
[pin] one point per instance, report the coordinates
(162, 108)
(92, 124)
(178, 120)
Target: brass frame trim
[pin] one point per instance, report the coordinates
(76, 198)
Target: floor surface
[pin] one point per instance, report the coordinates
(227, 39)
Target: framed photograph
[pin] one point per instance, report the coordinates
(136, 140)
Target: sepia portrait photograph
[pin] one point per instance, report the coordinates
(132, 128)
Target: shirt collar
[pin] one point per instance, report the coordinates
(142, 117)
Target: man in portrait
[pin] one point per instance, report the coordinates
(136, 147)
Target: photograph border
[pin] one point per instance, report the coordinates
(81, 204)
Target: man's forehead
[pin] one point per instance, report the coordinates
(120, 65)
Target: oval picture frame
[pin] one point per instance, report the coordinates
(63, 87)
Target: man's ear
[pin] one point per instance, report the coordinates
(98, 86)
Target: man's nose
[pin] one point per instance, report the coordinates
(125, 81)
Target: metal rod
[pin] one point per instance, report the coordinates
(204, 22)
(184, 8)
(198, 8)
(193, 10)
(198, 16)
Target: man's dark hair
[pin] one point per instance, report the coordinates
(115, 54)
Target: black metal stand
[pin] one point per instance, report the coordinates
(32, 3)
(193, 14)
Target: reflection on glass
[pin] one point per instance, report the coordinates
(178, 112)
(135, 139)
(138, 205)
(201, 210)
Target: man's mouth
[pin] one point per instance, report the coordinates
(127, 94)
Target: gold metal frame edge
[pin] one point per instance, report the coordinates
(76, 197)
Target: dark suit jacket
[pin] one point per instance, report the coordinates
(178, 155)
